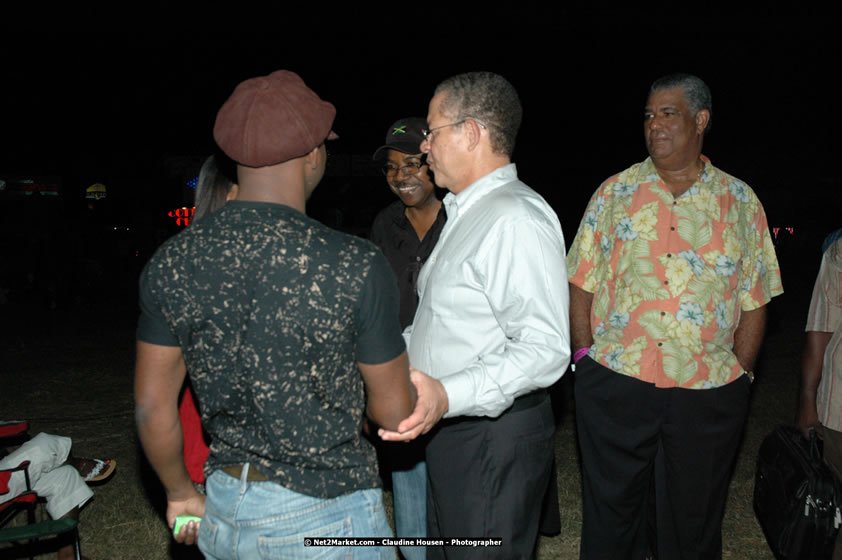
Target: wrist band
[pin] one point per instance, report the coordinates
(580, 353)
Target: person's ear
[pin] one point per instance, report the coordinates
(314, 157)
(702, 119)
(474, 133)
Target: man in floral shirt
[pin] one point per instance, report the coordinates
(669, 274)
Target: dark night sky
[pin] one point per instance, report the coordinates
(107, 107)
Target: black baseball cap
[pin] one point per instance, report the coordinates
(404, 136)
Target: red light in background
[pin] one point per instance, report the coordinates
(182, 215)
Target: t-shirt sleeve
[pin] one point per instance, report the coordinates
(379, 338)
(152, 326)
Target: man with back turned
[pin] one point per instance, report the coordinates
(275, 316)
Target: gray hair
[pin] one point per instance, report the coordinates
(487, 98)
(696, 92)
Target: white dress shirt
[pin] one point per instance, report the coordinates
(492, 320)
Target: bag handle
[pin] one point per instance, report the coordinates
(815, 450)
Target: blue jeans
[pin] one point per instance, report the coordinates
(251, 520)
(410, 492)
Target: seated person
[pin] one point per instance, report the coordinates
(54, 475)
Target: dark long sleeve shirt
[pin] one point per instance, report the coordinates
(393, 233)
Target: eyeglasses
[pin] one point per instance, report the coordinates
(410, 168)
(427, 133)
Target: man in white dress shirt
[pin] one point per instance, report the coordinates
(491, 331)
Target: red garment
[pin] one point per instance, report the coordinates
(195, 448)
(11, 428)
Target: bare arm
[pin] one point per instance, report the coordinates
(749, 336)
(391, 397)
(811, 375)
(431, 406)
(159, 375)
(581, 334)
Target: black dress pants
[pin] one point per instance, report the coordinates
(486, 477)
(632, 433)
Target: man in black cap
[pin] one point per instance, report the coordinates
(406, 231)
(275, 316)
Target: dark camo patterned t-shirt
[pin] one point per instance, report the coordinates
(272, 311)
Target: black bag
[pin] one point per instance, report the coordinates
(796, 496)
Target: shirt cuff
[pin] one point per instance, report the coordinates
(459, 391)
(461, 398)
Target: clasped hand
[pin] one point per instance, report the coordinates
(430, 406)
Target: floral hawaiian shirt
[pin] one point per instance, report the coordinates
(670, 276)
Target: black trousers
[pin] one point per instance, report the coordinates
(632, 434)
(487, 478)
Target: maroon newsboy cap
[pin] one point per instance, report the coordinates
(272, 119)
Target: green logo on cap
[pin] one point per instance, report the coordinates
(399, 130)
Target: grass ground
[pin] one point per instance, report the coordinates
(71, 374)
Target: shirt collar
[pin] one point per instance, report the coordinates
(460, 203)
(648, 173)
(398, 215)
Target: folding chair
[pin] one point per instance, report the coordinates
(10, 506)
(51, 529)
(12, 432)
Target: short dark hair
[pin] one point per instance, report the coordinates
(696, 92)
(486, 97)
